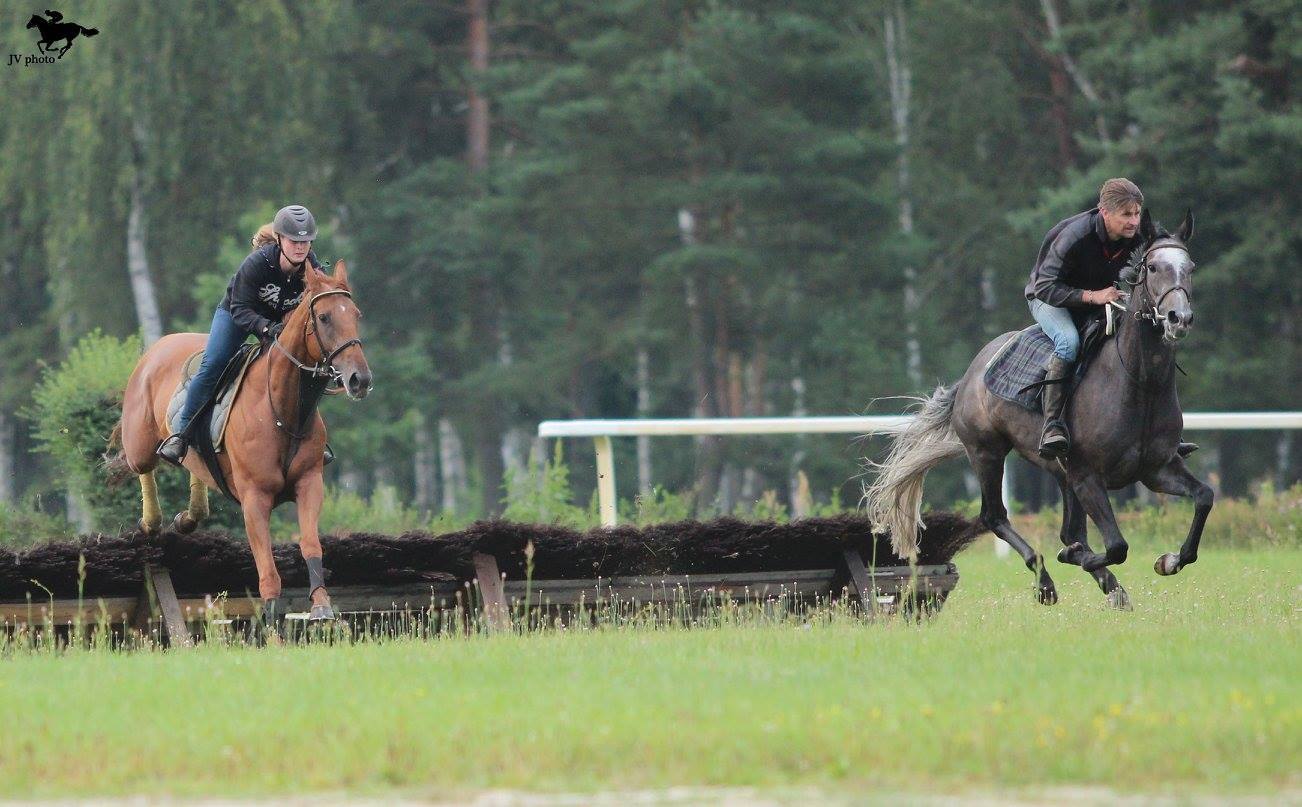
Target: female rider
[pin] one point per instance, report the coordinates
(267, 286)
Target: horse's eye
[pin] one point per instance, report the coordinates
(325, 318)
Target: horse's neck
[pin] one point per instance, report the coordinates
(1148, 360)
(286, 379)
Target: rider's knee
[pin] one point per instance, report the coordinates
(1066, 346)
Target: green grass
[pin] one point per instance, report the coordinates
(1195, 691)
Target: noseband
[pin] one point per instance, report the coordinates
(1152, 313)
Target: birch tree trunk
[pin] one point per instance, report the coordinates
(452, 465)
(425, 467)
(7, 488)
(142, 285)
(901, 87)
(643, 412)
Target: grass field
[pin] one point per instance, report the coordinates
(1195, 692)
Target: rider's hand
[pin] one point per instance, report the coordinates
(1111, 294)
(274, 329)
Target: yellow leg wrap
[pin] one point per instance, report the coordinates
(198, 498)
(152, 517)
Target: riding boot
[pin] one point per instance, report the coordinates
(1185, 449)
(1055, 441)
(172, 450)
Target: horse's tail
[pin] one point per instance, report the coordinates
(116, 468)
(265, 235)
(88, 31)
(894, 500)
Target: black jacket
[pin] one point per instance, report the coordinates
(261, 292)
(1076, 255)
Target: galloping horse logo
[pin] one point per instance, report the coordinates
(53, 30)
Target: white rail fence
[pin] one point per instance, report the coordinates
(601, 432)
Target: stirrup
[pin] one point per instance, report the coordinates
(167, 448)
(327, 456)
(1054, 442)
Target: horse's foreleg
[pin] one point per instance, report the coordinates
(151, 519)
(1093, 497)
(1174, 477)
(188, 520)
(989, 467)
(1075, 542)
(257, 523)
(308, 492)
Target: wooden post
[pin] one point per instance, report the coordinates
(491, 590)
(178, 635)
(859, 578)
(606, 481)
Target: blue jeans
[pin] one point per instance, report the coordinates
(224, 340)
(1060, 327)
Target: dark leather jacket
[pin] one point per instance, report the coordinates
(1077, 255)
(261, 292)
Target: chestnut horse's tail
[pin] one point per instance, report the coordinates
(116, 468)
(894, 499)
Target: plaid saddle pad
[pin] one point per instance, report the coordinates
(1020, 362)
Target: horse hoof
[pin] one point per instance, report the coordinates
(1167, 564)
(321, 613)
(183, 523)
(149, 528)
(1119, 599)
(1047, 595)
(1070, 555)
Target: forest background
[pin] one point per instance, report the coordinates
(638, 208)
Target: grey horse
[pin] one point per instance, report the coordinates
(1124, 418)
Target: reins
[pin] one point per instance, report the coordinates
(323, 368)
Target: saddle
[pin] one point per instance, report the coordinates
(1016, 372)
(207, 430)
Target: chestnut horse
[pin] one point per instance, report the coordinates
(273, 451)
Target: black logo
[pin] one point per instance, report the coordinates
(53, 30)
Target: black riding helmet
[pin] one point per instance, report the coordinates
(295, 223)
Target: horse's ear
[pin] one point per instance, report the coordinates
(340, 275)
(1147, 230)
(315, 277)
(1186, 230)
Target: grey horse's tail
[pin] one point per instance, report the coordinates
(894, 500)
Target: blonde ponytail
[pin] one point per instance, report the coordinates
(265, 235)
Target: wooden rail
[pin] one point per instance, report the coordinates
(877, 589)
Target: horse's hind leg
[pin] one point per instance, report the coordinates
(989, 467)
(1074, 535)
(151, 519)
(188, 519)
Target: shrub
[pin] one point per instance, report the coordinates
(344, 512)
(75, 407)
(541, 494)
(27, 525)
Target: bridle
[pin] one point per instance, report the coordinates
(1149, 308)
(323, 368)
